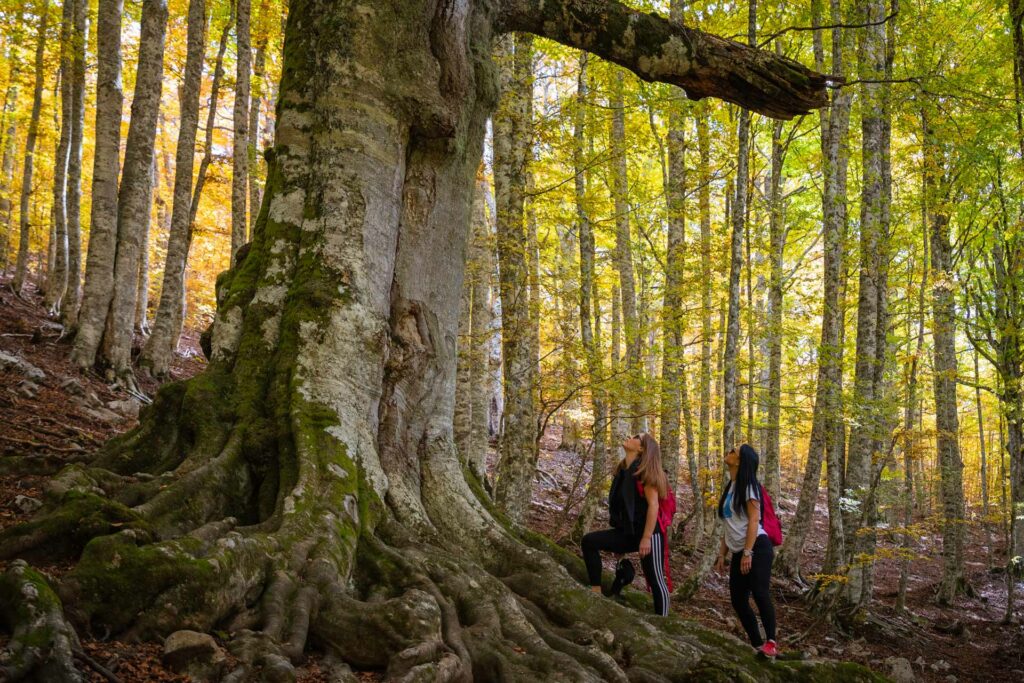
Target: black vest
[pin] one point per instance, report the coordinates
(627, 508)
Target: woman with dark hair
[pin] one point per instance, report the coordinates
(639, 486)
(744, 537)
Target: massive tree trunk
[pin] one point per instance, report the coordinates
(826, 420)
(513, 130)
(240, 154)
(58, 279)
(134, 199)
(30, 147)
(99, 266)
(73, 291)
(306, 485)
(156, 355)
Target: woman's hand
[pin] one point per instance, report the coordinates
(745, 564)
(720, 563)
(645, 546)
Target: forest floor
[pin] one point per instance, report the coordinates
(63, 415)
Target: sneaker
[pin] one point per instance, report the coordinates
(769, 650)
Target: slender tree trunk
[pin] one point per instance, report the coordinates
(870, 412)
(706, 330)
(777, 246)
(258, 89)
(71, 300)
(730, 400)
(24, 227)
(99, 267)
(826, 419)
(623, 255)
(983, 465)
(240, 155)
(944, 362)
(672, 375)
(512, 135)
(911, 438)
(211, 118)
(156, 355)
(471, 396)
(589, 313)
(8, 136)
(59, 279)
(135, 197)
(140, 323)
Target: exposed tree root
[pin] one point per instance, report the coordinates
(42, 642)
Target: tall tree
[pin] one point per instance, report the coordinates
(58, 279)
(513, 127)
(97, 290)
(589, 310)
(624, 259)
(240, 153)
(134, 199)
(826, 421)
(73, 292)
(313, 483)
(730, 399)
(30, 146)
(156, 355)
(706, 330)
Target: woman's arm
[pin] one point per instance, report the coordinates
(651, 494)
(753, 519)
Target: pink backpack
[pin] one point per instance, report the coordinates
(769, 520)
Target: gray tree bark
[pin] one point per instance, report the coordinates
(240, 154)
(773, 332)
(24, 227)
(706, 329)
(872, 424)
(945, 369)
(826, 420)
(513, 130)
(471, 389)
(633, 383)
(134, 199)
(98, 288)
(69, 303)
(159, 348)
(258, 90)
(58, 279)
(730, 398)
(8, 136)
(589, 311)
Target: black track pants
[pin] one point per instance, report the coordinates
(755, 582)
(619, 542)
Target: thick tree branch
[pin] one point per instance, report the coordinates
(656, 49)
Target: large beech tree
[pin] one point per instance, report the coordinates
(306, 485)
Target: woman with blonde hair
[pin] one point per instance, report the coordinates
(639, 487)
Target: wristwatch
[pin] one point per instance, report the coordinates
(748, 553)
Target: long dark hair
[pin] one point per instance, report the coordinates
(746, 476)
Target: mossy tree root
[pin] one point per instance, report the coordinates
(42, 642)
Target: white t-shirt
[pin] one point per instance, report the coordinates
(735, 524)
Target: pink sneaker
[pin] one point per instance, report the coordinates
(769, 649)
